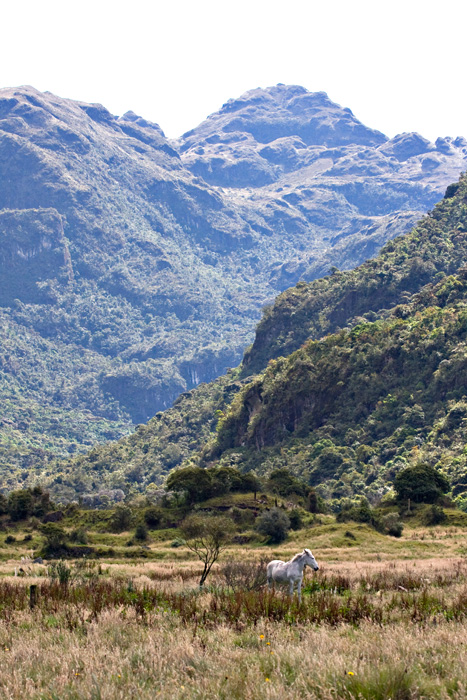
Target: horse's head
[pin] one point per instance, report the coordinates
(310, 560)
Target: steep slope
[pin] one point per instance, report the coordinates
(437, 246)
(347, 411)
(351, 409)
(136, 279)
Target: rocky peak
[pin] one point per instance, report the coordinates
(130, 116)
(405, 146)
(281, 111)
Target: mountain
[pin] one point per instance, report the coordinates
(345, 411)
(133, 268)
(304, 165)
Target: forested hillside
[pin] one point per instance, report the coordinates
(436, 247)
(345, 412)
(133, 268)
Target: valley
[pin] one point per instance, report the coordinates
(136, 267)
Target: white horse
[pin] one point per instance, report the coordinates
(291, 572)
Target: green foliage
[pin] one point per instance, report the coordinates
(61, 572)
(198, 484)
(283, 483)
(313, 502)
(359, 512)
(121, 519)
(141, 532)
(26, 502)
(421, 483)
(20, 504)
(79, 535)
(350, 411)
(273, 524)
(55, 538)
(295, 519)
(392, 525)
(195, 482)
(435, 515)
(152, 516)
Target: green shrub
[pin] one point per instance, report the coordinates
(392, 525)
(141, 532)
(359, 512)
(121, 519)
(434, 516)
(152, 516)
(274, 524)
(296, 521)
(80, 536)
(283, 483)
(61, 572)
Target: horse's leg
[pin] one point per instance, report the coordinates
(299, 590)
(291, 585)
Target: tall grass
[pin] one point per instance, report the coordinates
(365, 632)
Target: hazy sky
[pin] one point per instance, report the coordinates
(399, 66)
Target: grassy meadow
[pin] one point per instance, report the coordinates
(383, 618)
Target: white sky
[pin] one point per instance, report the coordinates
(399, 65)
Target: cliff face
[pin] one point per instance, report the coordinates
(33, 249)
(147, 261)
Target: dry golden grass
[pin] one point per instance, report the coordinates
(68, 653)
(118, 657)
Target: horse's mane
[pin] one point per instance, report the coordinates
(297, 556)
(300, 554)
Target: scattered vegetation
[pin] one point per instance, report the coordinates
(149, 629)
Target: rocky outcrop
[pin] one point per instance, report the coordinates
(33, 249)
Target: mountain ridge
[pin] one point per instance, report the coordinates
(157, 275)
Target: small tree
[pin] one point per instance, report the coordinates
(421, 483)
(283, 483)
(207, 537)
(141, 532)
(296, 521)
(273, 523)
(312, 501)
(152, 516)
(194, 482)
(392, 525)
(20, 504)
(121, 519)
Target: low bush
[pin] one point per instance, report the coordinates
(244, 575)
(273, 524)
(435, 515)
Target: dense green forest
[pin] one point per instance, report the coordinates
(436, 247)
(133, 268)
(345, 412)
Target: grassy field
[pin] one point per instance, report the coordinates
(383, 618)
